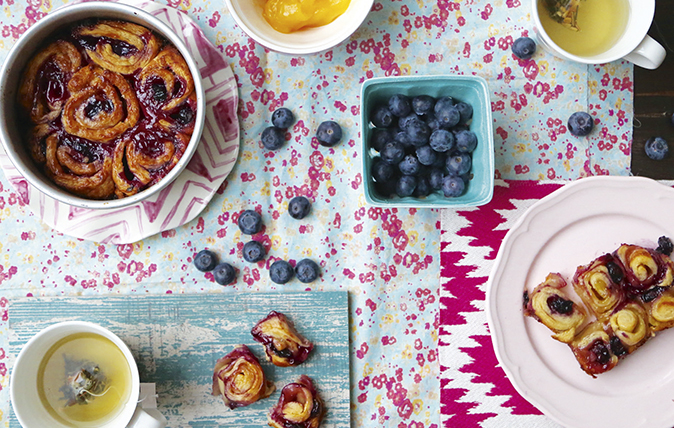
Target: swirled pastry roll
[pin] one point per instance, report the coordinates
(43, 88)
(549, 304)
(629, 324)
(119, 46)
(239, 379)
(599, 284)
(299, 406)
(592, 349)
(660, 309)
(166, 81)
(283, 345)
(644, 268)
(102, 105)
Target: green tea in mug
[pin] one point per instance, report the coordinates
(584, 27)
(84, 380)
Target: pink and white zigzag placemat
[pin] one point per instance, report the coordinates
(188, 195)
(475, 391)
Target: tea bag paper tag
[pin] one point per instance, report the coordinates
(148, 396)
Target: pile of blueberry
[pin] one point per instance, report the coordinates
(424, 145)
(328, 134)
(250, 223)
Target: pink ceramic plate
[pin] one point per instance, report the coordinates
(182, 200)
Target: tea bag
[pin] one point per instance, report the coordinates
(565, 12)
(84, 382)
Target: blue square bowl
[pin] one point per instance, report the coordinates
(469, 89)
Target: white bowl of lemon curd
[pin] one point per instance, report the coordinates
(322, 33)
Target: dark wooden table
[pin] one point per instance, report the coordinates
(654, 100)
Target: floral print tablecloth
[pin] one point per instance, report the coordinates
(388, 259)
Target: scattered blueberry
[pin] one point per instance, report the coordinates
(405, 120)
(253, 252)
(273, 138)
(580, 124)
(418, 131)
(465, 112)
(447, 115)
(426, 155)
(423, 189)
(392, 152)
(442, 140)
(381, 117)
(380, 136)
(399, 105)
(435, 178)
(656, 148)
(281, 272)
(406, 185)
(524, 48)
(665, 246)
(224, 273)
(452, 186)
(307, 270)
(250, 222)
(423, 104)
(299, 207)
(466, 141)
(329, 133)
(205, 260)
(382, 171)
(410, 165)
(282, 118)
(459, 163)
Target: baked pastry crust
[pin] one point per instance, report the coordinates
(299, 406)
(283, 344)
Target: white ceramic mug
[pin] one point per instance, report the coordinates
(24, 390)
(634, 45)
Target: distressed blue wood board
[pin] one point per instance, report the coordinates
(176, 340)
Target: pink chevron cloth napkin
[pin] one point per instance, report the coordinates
(475, 391)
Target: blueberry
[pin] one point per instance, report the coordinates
(440, 160)
(392, 152)
(426, 155)
(299, 207)
(442, 140)
(465, 111)
(466, 141)
(435, 178)
(446, 113)
(404, 121)
(224, 273)
(524, 48)
(253, 252)
(281, 272)
(665, 246)
(409, 165)
(423, 188)
(580, 124)
(399, 105)
(406, 185)
(404, 138)
(380, 136)
(452, 186)
(418, 131)
(329, 133)
(432, 121)
(382, 171)
(250, 222)
(386, 189)
(559, 304)
(656, 148)
(381, 117)
(205, 260)
(273, 138)
(282, 118)
(459, 163)
(307, 270)
(423, 104)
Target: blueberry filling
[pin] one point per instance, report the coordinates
(560, 305)
(159, 92)
(665, 246)
(617, 347)
(600, 352)
(651, 294)
(95, 106)
(615, 272)
(184, 115)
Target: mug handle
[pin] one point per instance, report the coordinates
(649, 54)
(147, 418)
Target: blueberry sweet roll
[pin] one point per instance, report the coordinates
(659, 304)
(644, 269)
(122, 47)
(629, 324)
(549, 304)
(299, 406)
(284, 346)
(166, 81)
(599, 284)
(239, 379)
(592, 349)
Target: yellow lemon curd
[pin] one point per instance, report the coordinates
(287, 16)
